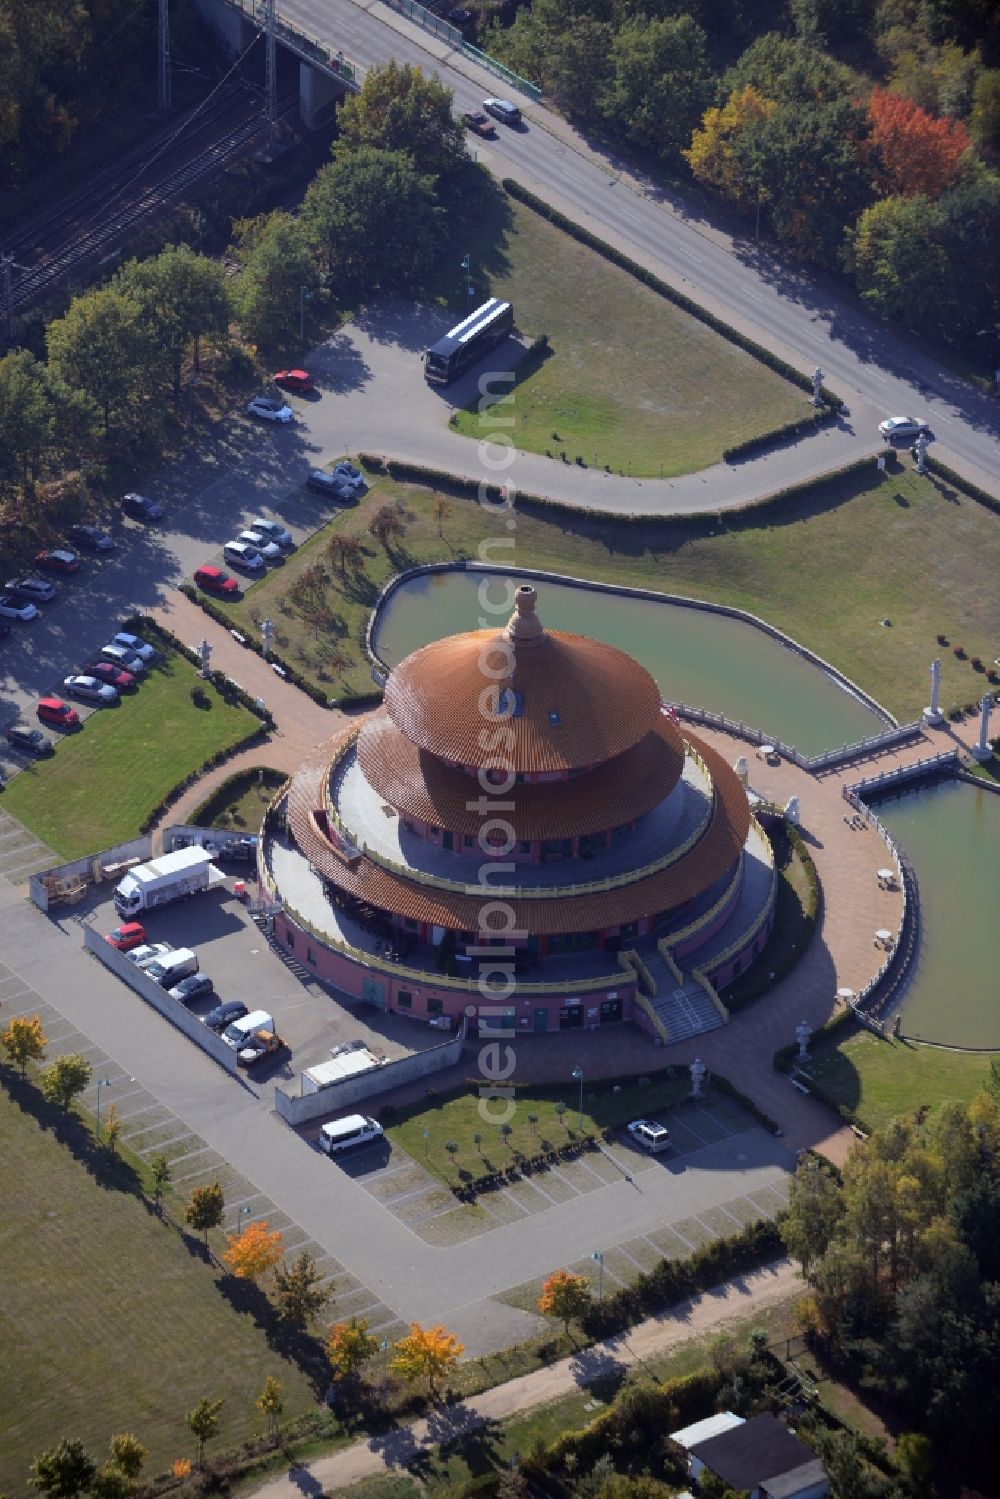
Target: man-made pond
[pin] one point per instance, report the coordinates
(698, 657)
(951, 831)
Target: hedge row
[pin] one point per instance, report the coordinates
(673, 1280)
(252, 644)
(231, 788)
(972, 490)
(585, 237)
(258, 735)
(819, 418)
(144, 624)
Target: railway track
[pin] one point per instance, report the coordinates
(90, 225)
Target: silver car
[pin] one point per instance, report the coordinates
(273, 532)
(267, 409)
(270, 550)
(149, 952)
(134, 645)
(14, 608)
(37, 589)
(90, 688)
(122, 656)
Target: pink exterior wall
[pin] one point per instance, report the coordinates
(699, 939)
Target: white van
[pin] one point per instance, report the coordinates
(341, 1134)
(239, 554)
(173, 966)
(237, 1034)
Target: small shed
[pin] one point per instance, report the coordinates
(761, 1456)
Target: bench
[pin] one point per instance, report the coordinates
(796, 1084)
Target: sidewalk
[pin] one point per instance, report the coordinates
(397, 1449)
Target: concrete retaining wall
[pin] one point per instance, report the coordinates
(135, 848)
(152, 993)
(349, 1091)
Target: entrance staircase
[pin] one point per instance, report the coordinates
(681, 1009)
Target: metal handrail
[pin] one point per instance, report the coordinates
(669, 959)
(702, 978)
(650, 1011)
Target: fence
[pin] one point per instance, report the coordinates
(149, 990)
(302, 42)
(346, 1091)
(917, 770)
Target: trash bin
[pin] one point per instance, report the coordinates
(240, 889)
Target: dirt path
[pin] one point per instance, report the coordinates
(398, 1448)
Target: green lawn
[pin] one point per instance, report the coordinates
(632, 383)
(826, 567)
(242, 808)
(458, 1118)
(881, 1080)
(109, 1322)
(106, 778)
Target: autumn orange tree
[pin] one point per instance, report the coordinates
(24, 1041)
(255, 1251)
(350, 1346)
(429, 1352)
(917, 151)
(566, 1296)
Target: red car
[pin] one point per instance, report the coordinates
(216, 581)
(107, 671)
(481, 124)
(54, 710)
(294, 380)
(61, 560)
(131, 934)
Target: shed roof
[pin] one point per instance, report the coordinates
(746, 1455)
(710, 1426)
(795, 1481)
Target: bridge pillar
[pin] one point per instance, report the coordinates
(234, 29)
(317, 90)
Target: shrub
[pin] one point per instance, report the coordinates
(942, 639)
(821, 418)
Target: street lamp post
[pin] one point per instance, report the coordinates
(578, 1077)
(384, 1350)
(304, 296)
(241, 1216)
(102, 1082)
(599, 1257)
(467, 268)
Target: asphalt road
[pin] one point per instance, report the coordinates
(789, 311)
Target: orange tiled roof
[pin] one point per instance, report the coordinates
(420, 785)
(524, 697)
(714, 854)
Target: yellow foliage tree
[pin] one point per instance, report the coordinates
(24, 1041)
(564, 1295)
(426, 1351)
(255, 1251)
(112, 1128)
(712, 156)
(350, 1347)
(270, 1404)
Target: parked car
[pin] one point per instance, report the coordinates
(54, 710)
(267, 409)
(241, 554)
(332, 485)
(480, 124)
(350, 475)
(294, 380)
(224, 1015)
(141, 507)
(273, 531)
(151, 952)
(115, 676)
(135, 644)
(269, 550)
(15, 608)
(503, 109)
(214, 580)
(650, 1135)
(122, 655)
(92, 538)
(129, 935)
(58, 560)
(195, 986)
(902, 426)
(38, 590)
(90, 689)
(21, 736)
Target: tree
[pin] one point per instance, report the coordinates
(350, 1346)
(299, 1292)
(64, 1079)
(110, 1482)
(203, 1421)
(899, 261)
(270, 1404)
(127, 1453)
(64, 1470)
(566, 1296)
(917, 153)
(205, 1208)
(426, 1352)
(373, 221)
(277, 263)
(398, 109)
(160, 1168)
(112, 1128)
(255, 1251)
(660, 83)
(387, 525)
(184, 297)
(103, 347)
(442, 510)
(26, 416)
(815, 1207)
(915, 1455)
(24, 1041)
(713, 156)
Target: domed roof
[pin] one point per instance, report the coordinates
(533, 699)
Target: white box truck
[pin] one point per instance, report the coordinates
(184, 872)
(243, 1030)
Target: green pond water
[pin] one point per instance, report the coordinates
(951, 832)
(707, 660)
